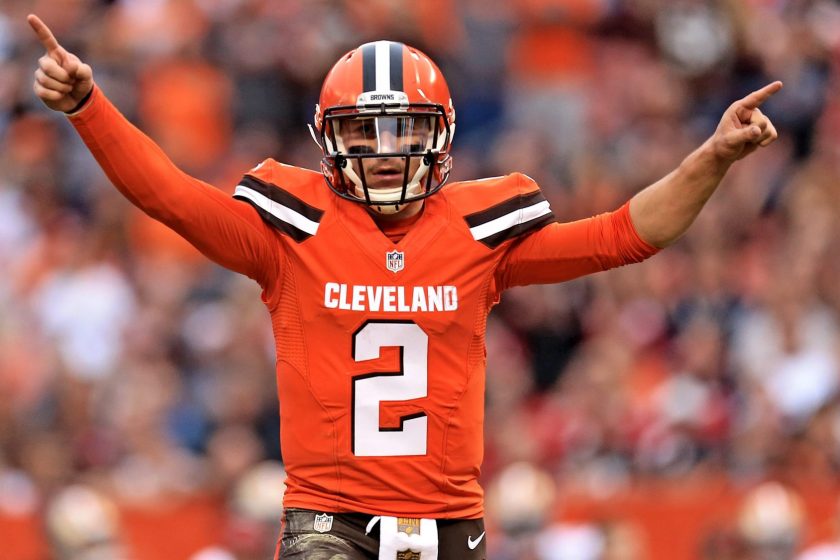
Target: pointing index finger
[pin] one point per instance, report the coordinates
(756, 98)
(44, 34)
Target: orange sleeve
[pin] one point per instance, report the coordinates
(228, 231)
(560, 252)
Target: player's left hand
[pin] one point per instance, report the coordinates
(743, 127)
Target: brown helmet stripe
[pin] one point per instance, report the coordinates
(369, 67)
(396, 60)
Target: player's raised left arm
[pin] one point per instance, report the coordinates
(662, 212)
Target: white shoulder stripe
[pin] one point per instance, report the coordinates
(510, 220)
(277, 210)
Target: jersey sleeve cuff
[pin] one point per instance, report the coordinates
(638, 248)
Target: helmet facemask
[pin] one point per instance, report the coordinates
(386, 157)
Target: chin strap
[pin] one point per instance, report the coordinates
(413, 189)
(387, 209)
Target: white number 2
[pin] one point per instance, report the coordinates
(411, 382)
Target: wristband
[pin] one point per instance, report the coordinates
(80, 104)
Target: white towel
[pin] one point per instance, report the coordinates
(401, 534)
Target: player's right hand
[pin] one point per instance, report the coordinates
(62, 80)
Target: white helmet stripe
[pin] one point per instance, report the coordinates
(383, 66)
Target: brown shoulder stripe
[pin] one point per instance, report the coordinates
(280, 208)
(512, 218)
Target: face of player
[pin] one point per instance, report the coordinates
(386, 135)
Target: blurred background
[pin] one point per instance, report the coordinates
(685, 408)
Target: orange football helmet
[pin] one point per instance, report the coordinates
(385, 120)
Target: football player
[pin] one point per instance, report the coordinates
(378, 277)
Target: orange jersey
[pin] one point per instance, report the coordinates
(380, 345)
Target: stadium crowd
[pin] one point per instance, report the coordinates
(684, 408)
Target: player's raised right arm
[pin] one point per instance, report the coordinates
(226, 230)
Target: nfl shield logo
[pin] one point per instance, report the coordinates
(323, 523)
(395, 261)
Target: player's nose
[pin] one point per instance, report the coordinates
(388, 142)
